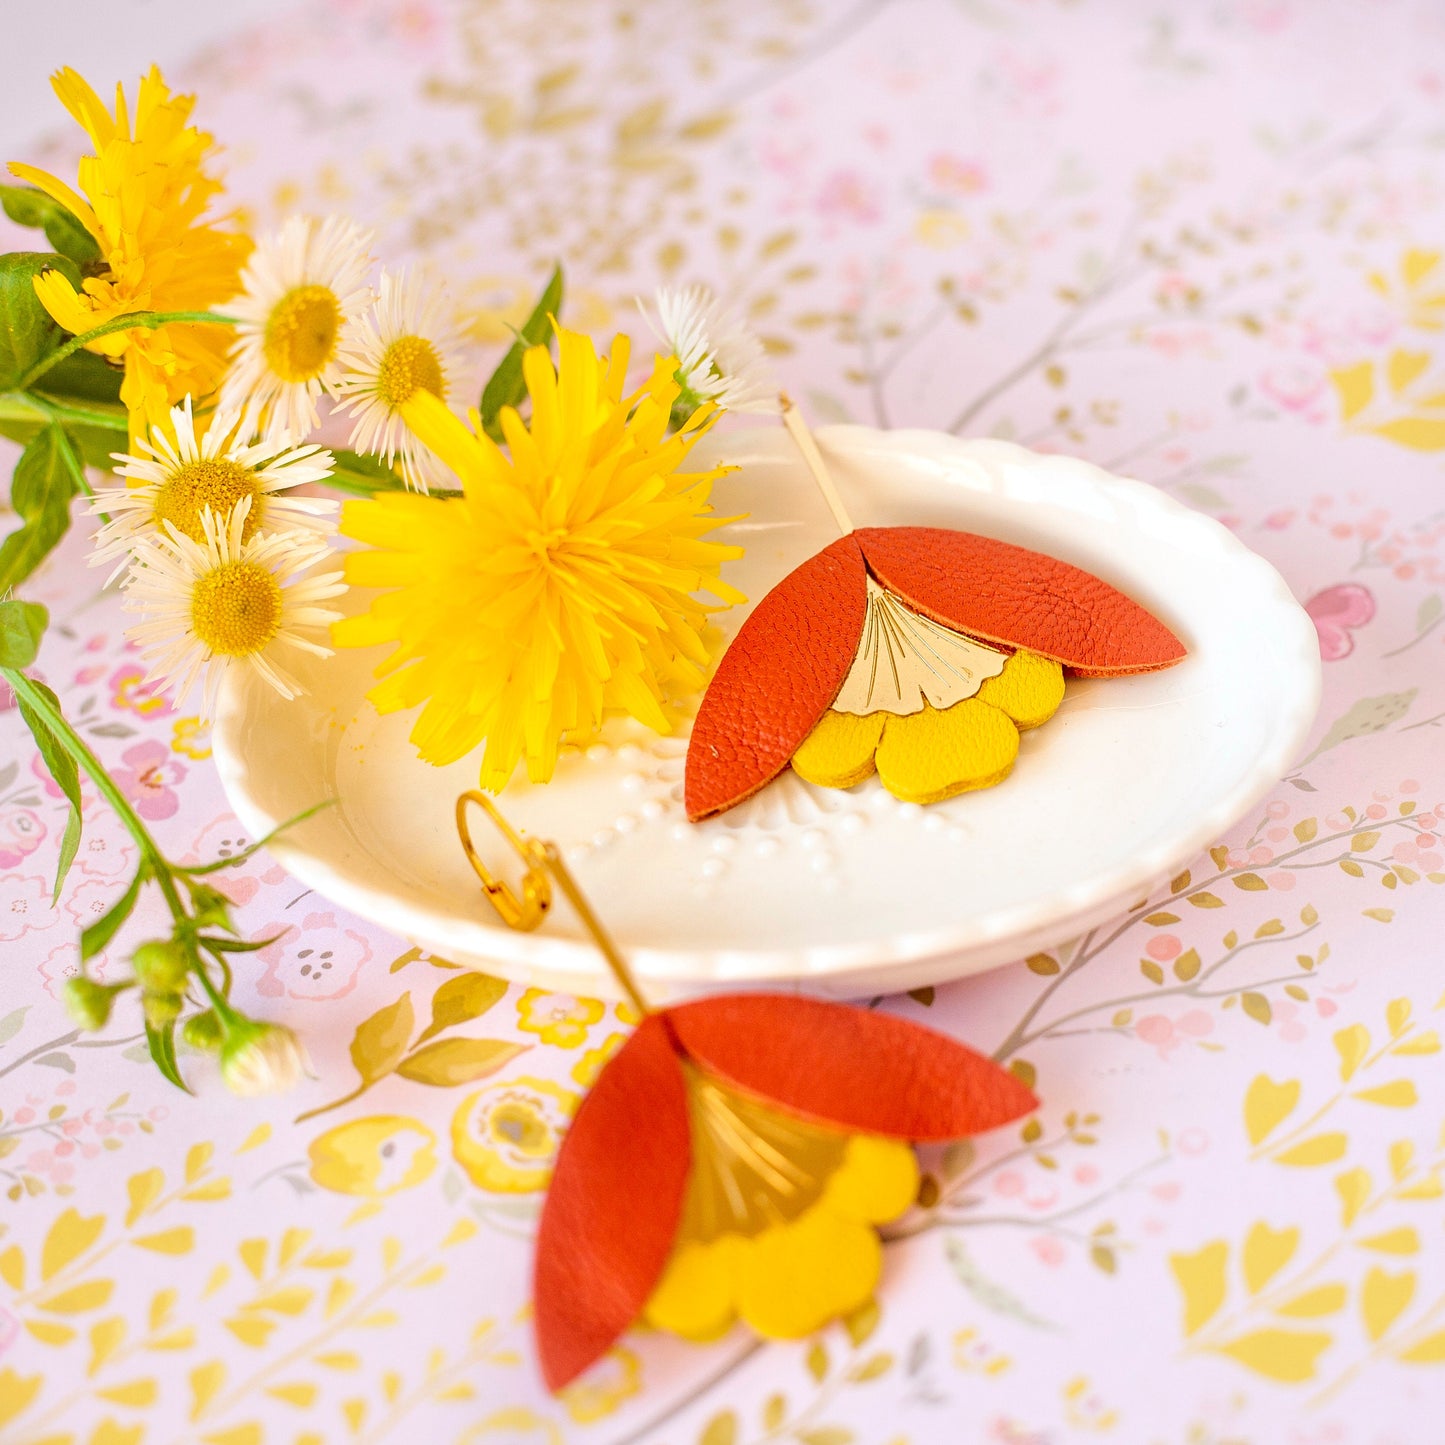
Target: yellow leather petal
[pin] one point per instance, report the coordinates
(794, 1278)
(929, 756)
(877, 1183)
(1029, 689)
(839, 751)
(694, 1297)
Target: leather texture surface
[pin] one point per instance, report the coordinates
(848, 1066)
(1001, 593)
(613, 1205)
(777, 679)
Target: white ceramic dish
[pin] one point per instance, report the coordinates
(849, 893)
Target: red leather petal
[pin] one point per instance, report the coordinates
(1001, 593)
(850, 1066)
(777, 679)
(613, 1204)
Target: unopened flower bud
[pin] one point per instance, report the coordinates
(88, 1002)
(259, 1058)
(161, 1008)
(161, 966)
(203, 1030)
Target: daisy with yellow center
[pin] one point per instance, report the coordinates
(180, 474)
(226, 601)
(302, 289)
(561, 585)
(398, 347)
(145, 196)
(779, 1222)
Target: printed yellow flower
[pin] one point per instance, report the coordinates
(506, 1135)
(399, 346)
(557, 1018)
(145, 197)
(561, 585)
(302, 289)
(778, 1223)
(616, 1377)
(373, 1157)
(225, 602)
(179, 475)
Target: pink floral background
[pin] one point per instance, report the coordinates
(1199, 245)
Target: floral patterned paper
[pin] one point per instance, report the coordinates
(1196, 244)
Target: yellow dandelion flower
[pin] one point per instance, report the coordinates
(145, 197)
(560, 585)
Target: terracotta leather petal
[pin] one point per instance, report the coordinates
(777, 679)
(1001, 593)
(849, 1066)
(613, 1205)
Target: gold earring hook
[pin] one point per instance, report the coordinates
(528, 911)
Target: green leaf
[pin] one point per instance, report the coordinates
(162, 1046)
(100, 933)
(256, 847)
(461, 999)
(41, 492)
(457, 1061)
(61, 767)
(86, 379)
(236, 945)
(28, 207)
(507, 385)
(365, 476)
(26, 331)
(22, 625)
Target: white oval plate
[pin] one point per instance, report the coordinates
(848, 893)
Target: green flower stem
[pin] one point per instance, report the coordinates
(228, 1016)
(37, 410)
(136, 321)
(74, 744)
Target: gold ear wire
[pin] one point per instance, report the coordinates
(526, 912)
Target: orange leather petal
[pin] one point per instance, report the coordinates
(997, 592)
(777, 679)
(850, 1066)
(613, 1204)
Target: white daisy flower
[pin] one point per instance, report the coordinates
(401, 345)
(259, 1058)
(719, 359)
(226, 601)
(303, 288)
(181, 474)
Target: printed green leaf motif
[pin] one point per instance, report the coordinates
(380, 1041)
(1368, 715)
(507, 385)
(1206, 900)
(1250, 882)
(1201, 1278)
(1266, 1252)
(1355, 387)
(990, 1294)
(22, 625)
(1419, 433)
(461, 999)
(1353, 1186)
(1256, 1005)
(817, 1361)
(1186, 966)
(1267, 1105)
(457, 1061)
(1321, 1149)
(1288, 1356)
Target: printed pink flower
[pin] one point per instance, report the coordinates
(130, 693)
(1165, 1034)
(146, 779)
(956, 176)
(1336, 612)
(848, 195)
(1298, 388)
(21, 833)
(317, 960)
